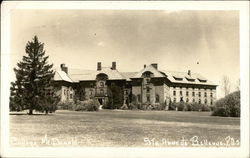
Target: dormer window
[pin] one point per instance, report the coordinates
(178, 78)
(147, 74)
(201, 79)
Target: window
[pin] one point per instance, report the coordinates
(148, 98)
(101, 91)
(199, 94)
(71, 96)
(199, 101)
(186, 93)
(148, 89)
(205, 94)
(193, 94)
(64, 91)
(205, 101)
(181, 99)
(101, 84)
(174, 100)
(193, 100)
(211, 102)
(187, 100)
(180, 93)
(157, 98)
(147, 80)
(211, 94)
(174, 93)
(139, 98)
(91, 85)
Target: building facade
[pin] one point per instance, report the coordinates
(147, 86)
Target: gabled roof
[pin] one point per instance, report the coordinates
(128, 75)
(77, 75)
(112, 74)
(62, 76)
(81, 74)
(88, 75)
(151, 69)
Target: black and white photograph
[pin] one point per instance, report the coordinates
(122, 79)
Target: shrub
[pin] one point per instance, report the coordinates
(172, 106)
(133, 106)
(87, 105)
(65, 105)
(124, 107)
(188, 107)
(220, 111)
(80, 106)
(91, 105)
(180, 106)
(228, 106)
(195, 107)
(143, 107)
(205, 108)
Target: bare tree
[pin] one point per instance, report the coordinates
(226, 85)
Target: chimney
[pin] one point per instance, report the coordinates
(64, 68)
(99, 66)
(144, 65)
(113, 65)
(189, 72)
(155, 65)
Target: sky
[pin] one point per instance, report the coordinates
(176, 40)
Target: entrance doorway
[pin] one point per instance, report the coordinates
(100, 101)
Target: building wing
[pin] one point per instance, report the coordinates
(184, 77)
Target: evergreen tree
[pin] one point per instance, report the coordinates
(33, 81)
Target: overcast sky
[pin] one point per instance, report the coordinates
(176, 40)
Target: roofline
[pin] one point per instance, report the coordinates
(196, 84)
(67, 76)
(107, 80)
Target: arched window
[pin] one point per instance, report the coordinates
(101, 84)
(174, 93)
(157, 98)
(101, 91)
(205, 94)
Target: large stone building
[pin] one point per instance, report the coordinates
(147, 86)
